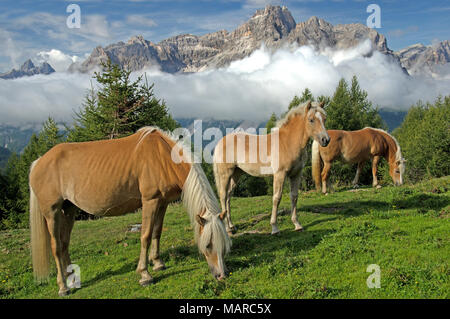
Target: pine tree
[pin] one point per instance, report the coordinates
(18, 169)
(119, 107)
(306, 96)
(271, 123)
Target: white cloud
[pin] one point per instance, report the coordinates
(250, 89)
(142, 20)
(57, 59)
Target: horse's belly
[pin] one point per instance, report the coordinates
(256, 169)
(111, 209)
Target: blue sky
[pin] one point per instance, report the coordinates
(28, 27)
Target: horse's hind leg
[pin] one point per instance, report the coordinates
(358, 173)
(54, 217)
(223, 183)
(149, 212)
(325, 176)
(233, 182)
(158, 264)
(278, 181)
(295, 183)
(67, 221)
(375, 161)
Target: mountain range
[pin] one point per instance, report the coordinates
(273, 27)
(28, 69)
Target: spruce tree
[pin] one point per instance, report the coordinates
(119, 107)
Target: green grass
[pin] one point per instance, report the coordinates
(404, 230)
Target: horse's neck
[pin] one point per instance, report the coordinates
(392, 148)
(293, 134)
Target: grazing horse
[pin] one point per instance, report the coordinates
(112, 178)
(285, 157)
(357, 147)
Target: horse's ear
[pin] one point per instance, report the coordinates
(222, 215)
(322, 104)
(308, 106)
(200, 220)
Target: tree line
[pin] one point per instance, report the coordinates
(119, 106)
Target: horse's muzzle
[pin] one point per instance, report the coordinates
(324, 141)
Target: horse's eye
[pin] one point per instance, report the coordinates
(209, 246)
(397, 171)
(311, 120)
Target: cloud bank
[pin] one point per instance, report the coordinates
(249, 89)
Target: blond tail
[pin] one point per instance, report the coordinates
(40, 240)
(316, 166)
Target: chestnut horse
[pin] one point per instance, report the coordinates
(115, 177)
(357, 147)
(284, 156)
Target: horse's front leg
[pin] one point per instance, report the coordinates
(149, 212)
(375, 161)
(158, 264)
(295, 182)
(278, 181)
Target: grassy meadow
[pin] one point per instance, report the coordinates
(405, 230)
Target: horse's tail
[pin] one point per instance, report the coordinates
(40, 239)
(316, 165)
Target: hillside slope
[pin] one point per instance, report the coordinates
(404, 230)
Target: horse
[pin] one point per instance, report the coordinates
(115, 177)
(358, 147)
(240, 152)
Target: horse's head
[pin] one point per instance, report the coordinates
(315, 118)
(213, 242)
(396, 170)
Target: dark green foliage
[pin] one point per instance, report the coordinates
(119, 107)
(14, 205)
(4, 155)
(350, 110)
(424, 138)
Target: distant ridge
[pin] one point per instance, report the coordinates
(28, 69)
(273, 26)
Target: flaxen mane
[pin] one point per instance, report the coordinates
(197, 196)
(398, 153)
(299, 110)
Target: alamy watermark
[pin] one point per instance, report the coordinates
(374, 20)
(374, 280)
(74, 279)
(243, 148)
(74, 19)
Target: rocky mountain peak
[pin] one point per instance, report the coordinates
(419, 58)
(28, 69)
(27, 66)
(273, 27)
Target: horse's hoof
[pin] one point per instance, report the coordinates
(274, 233)
(299, 229)
(146, 282)
(159, 267)
(63, 292)
(378, 186)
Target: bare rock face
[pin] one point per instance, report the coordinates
(418, 58)
(273, 27)
(28, 69)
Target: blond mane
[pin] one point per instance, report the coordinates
(198, 196)
(299, 110)
(398, 152)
